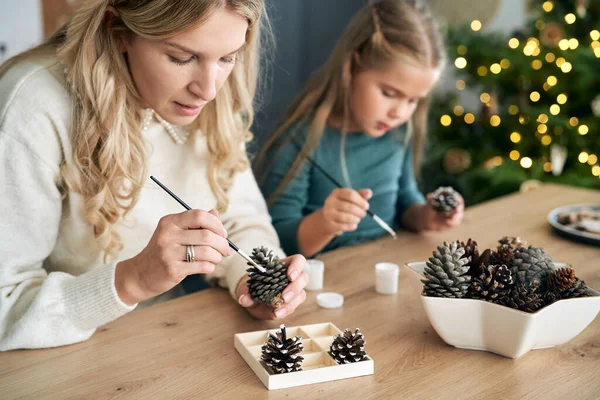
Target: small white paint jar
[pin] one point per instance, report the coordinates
(315, 270)
(386, 278)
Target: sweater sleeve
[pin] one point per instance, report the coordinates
(287, 210)
(408, 191)
(40, 309)
(248, 225)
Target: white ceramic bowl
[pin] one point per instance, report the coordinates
(481, 325)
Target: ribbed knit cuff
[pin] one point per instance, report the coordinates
(91, 299)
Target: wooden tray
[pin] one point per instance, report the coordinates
(318, 365)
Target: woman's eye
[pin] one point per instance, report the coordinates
(229, 59)
(181, 62)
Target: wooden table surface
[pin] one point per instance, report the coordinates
(184, 348)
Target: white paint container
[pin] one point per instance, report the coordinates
(386, 278)
(315, 270)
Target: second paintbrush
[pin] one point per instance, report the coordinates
(371, 214)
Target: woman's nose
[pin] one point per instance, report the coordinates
(205, 83)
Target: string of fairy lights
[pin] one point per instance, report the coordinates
(531, 47)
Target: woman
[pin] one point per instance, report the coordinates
(127, 89)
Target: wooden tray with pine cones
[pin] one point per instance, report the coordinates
(312, 360)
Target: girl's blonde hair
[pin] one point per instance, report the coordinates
(380, 34)
(109, 157)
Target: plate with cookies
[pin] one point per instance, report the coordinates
(580, 222)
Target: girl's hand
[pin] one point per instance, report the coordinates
(293, 295)
(438, 221)
(162, 264)
(344, 208)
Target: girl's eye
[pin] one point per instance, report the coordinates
(388, 93)
(181, 62)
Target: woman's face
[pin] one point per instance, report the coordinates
(177, 76)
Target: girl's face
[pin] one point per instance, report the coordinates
(177, 76)
(383, 99)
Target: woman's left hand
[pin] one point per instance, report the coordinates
(293, 295)
(434, 220)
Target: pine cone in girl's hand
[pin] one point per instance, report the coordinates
(282, 353)
(447, 272)
(348, 347)
(266, 287)
(445, 199)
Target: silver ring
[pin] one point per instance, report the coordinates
(190, 255)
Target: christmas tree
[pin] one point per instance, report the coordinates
(538, 114)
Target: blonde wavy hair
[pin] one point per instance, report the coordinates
(109, 156)
(383, 32)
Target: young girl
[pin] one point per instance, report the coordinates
(362, 118)
(127, 89)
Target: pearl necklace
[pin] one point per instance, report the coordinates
(177, 137)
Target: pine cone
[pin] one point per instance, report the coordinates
(492, 283)
(446, 272)
(561, 279)
(578, 289)
(471, 248)
(520, 298)
(550, 297)
(531, 265)
(514, 242)
(478, 265)
(282, 353)
(471, 251)
(504, 255)
(445, 199)
(348, 347)
(266, 287)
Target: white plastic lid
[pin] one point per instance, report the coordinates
(330, 300)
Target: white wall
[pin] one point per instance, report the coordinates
(20, 25)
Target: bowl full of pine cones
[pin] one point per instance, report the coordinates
(508, 301)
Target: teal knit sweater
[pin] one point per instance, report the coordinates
(382, 164)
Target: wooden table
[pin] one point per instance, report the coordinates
(184, 348)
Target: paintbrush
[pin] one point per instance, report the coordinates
(231, 244)
(371, 214)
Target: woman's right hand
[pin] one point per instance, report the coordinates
(162, 264)
(344, 208)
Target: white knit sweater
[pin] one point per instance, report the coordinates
(54, 287)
